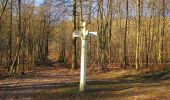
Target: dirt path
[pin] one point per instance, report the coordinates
(61, 83)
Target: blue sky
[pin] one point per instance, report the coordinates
(38, 2)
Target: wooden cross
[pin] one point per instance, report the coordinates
(83, 34)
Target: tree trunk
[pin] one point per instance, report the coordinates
(163, 31)
(10, 38)
(74, 48)
(138, 35)
(125, 36)
(16, 60)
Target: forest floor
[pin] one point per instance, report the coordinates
(57, 82)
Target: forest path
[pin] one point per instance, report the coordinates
(58, 82)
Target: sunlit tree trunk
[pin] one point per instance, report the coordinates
(138, 34)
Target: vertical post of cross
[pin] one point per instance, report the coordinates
(84, 34)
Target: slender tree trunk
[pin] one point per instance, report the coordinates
(15, 63)
(120, 31)
(90, 40)
(102, 57)
(110, 31)
(10, 38)
(81, 10)
(125, 36)
(46, 47)
(138, 35)
(74, 48)
(33, 40)
(163, 31)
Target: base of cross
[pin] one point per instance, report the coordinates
(82, 87)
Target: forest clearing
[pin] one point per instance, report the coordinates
(85, 49)
(56, 82)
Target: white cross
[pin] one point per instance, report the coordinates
(83, 34)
